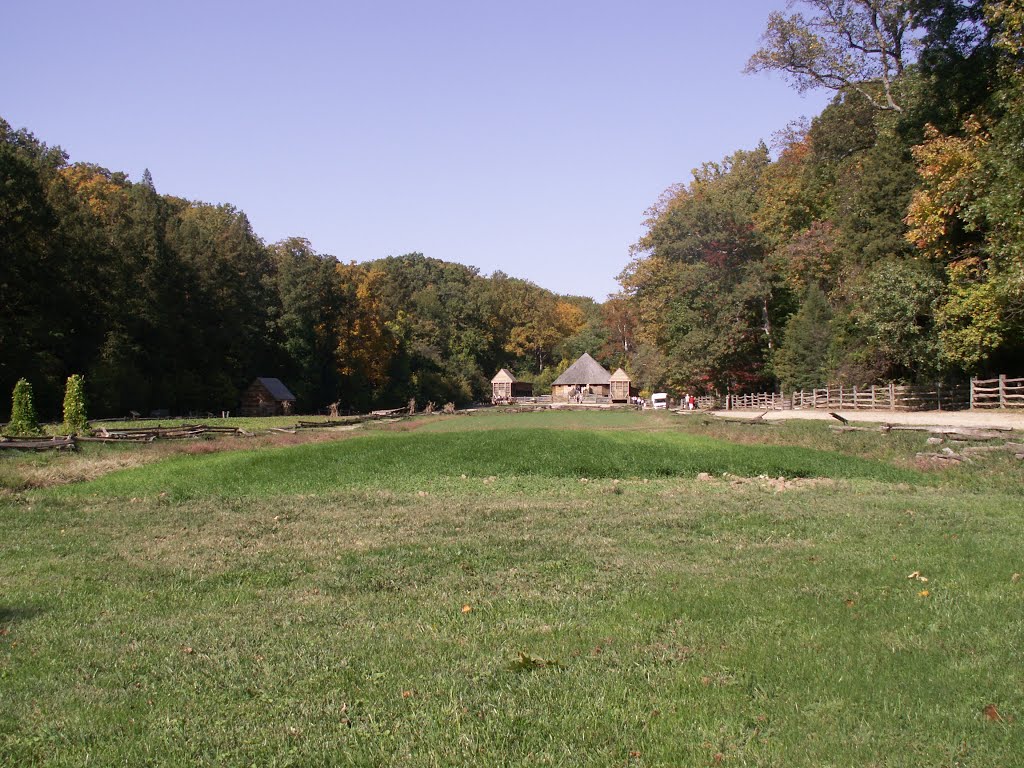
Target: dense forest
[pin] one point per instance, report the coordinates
(165, 303)
(883, 240)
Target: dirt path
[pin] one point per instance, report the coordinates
(994, 418)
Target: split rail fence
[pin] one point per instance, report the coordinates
(997, 393)
(1001, 392)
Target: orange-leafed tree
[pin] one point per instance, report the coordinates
(367, 343)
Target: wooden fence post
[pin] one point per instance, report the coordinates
(972, 393)
(1002, 390)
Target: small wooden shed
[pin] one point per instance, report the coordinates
(621, 386)
(267, 397)
(505, 386)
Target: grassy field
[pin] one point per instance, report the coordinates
(494, 590)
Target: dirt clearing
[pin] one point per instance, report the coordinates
(999, 419)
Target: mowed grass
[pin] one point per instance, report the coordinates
(363, 603)
(404, 461)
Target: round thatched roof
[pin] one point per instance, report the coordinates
(583, 372)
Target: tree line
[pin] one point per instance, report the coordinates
(167, 303)
(884, 242)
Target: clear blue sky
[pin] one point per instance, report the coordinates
(524, 136)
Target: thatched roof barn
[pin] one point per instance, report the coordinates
(267, 397)
(586, 376)
(620, 387)
(505, 386)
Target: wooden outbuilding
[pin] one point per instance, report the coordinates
(267, 397)
(505, 386)
(584, 377)
(621, 387)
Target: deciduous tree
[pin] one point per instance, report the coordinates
(863, 45)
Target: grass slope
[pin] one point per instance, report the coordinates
(404, 461)
(362, 604)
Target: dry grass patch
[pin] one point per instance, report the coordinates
(777, 484)
(72, 468)
(21, 471)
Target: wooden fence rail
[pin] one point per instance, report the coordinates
(890, 397)
(1001, 392)
(997, 393)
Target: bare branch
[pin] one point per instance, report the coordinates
(844, 44)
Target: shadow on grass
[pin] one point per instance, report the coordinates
(10, 615)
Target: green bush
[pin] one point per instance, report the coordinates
(75, 420)
(23, 412)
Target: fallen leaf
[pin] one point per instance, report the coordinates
(527, 662)
(1015, 578)
(466, 608)
(992, 713)
(923, 593)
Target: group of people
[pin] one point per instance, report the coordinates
(578, 392)
(689, 402)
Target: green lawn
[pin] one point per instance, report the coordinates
(521, 590)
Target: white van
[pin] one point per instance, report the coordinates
(659, 400)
